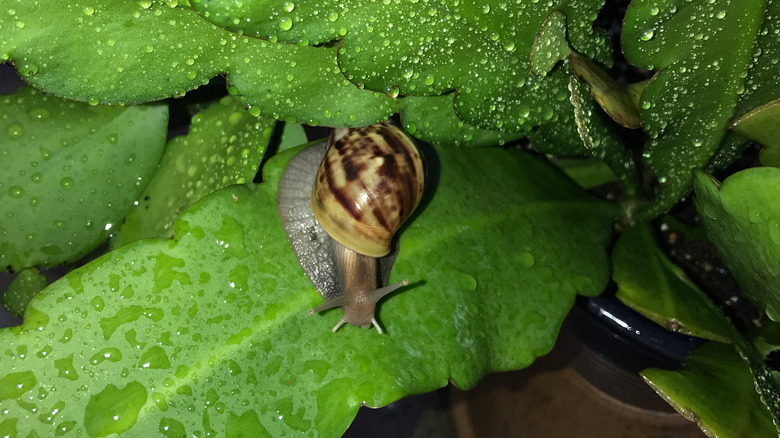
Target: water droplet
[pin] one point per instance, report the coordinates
(647, 36)
(39, 114)
(28, 69)
(285, 23)
(235, 118)
(66, 182)
(114, 410)
(98, 303)
(15, 131)
(89, 10)
(289, 6)
(13, 385)
(16, 192)
(486, 9)
(392, 91)
(36, 177)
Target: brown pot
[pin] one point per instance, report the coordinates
(572, 392)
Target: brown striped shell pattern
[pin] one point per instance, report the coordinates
(341, 203)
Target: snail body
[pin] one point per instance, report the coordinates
(340, 203)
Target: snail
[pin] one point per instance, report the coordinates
(340, 203)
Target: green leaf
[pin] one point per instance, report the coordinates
(587, 173)
(224, 146)
(763, 125)
(658, 289)
(209, 332)
(70, 171)
(742, 218)
(22, 289)
(715, 389)
(703, 52)
(433, 119)
(761, 84)
(582, 130)
(599, 138)
(550, 45)
(140, 51)
(292, 135)
(480, 49)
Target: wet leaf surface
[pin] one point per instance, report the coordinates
(70, 172)
(550, 45)
(599, 138)
(433, 119)
(142, 51)
(702, 52)
(132, 52)
(224, 146)
(209, 333)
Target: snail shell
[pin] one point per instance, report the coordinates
(341, 203)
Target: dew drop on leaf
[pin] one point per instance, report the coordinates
(16, 192)
(15, 131)
(285, 23)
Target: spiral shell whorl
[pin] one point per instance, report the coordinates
(368, 183)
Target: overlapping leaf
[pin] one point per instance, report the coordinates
(651, 284)
(480, 49)
(763, 125)
(69, 172)
(715, 389)
(742, 218)
(22, 289)
(703, 51)
(209, 333)
(117, 51)
(224, 147)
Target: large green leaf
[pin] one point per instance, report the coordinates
(654, 286)
(118, 51)
(209, 333)
(115, 51)
(703, 51)
(742, 218)
(69, 172)
(480, 49)
(224, 147)
(761, 84)
(715, 389)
